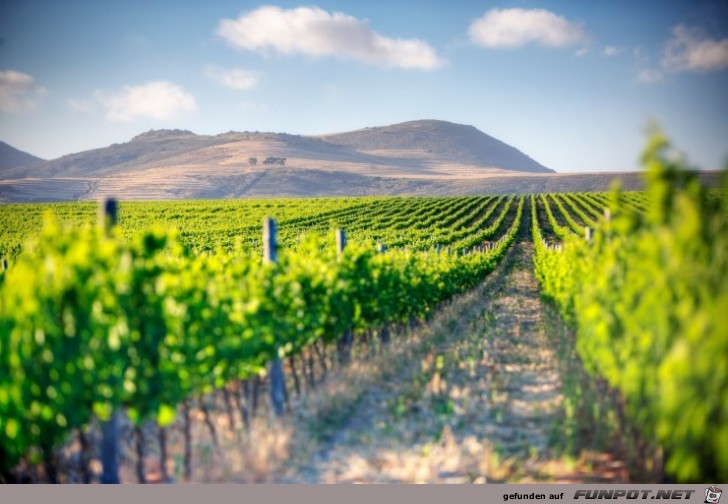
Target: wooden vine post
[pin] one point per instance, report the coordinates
(275, 373)
(346, 338)
(384, 331)
(588, 233)
(340, 242)
(108, 218)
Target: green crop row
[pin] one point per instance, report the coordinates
(648, 298)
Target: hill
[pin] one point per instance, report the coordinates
(438, 141)
(413, 158)
(10, 157)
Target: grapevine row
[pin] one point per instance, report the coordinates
(647, 297)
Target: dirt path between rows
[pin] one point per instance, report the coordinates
(476, 397)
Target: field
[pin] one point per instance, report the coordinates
(538, 337)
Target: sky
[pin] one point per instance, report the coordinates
(573, 84)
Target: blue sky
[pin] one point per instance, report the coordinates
(572, 84)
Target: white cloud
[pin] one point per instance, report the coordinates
(689, 50)
(611, 51)
(511, 28)
(581, 52)
(315, 32)
(236, 78)
(18, 92)
(160, 100)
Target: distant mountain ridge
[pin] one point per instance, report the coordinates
(411, 145)
(10, 157)
(175, 163)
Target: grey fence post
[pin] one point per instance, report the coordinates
(270, 246)
(588, 233)
(346, 338)
(275, 372)
(340, 241)
(108, 213)
(108, 218)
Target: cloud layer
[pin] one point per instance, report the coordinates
(512, 28)
(689, 51)
(18, 92)
(236, 78)
(160, 100)
(315, 32)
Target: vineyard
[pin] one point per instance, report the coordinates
(128, 328)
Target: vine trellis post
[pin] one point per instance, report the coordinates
(275, 371)
(108, 218)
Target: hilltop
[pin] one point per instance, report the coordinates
(438, 142)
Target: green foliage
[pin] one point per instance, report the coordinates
(60, 337)
(90, 323)
(416, 223)
(648, 298)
